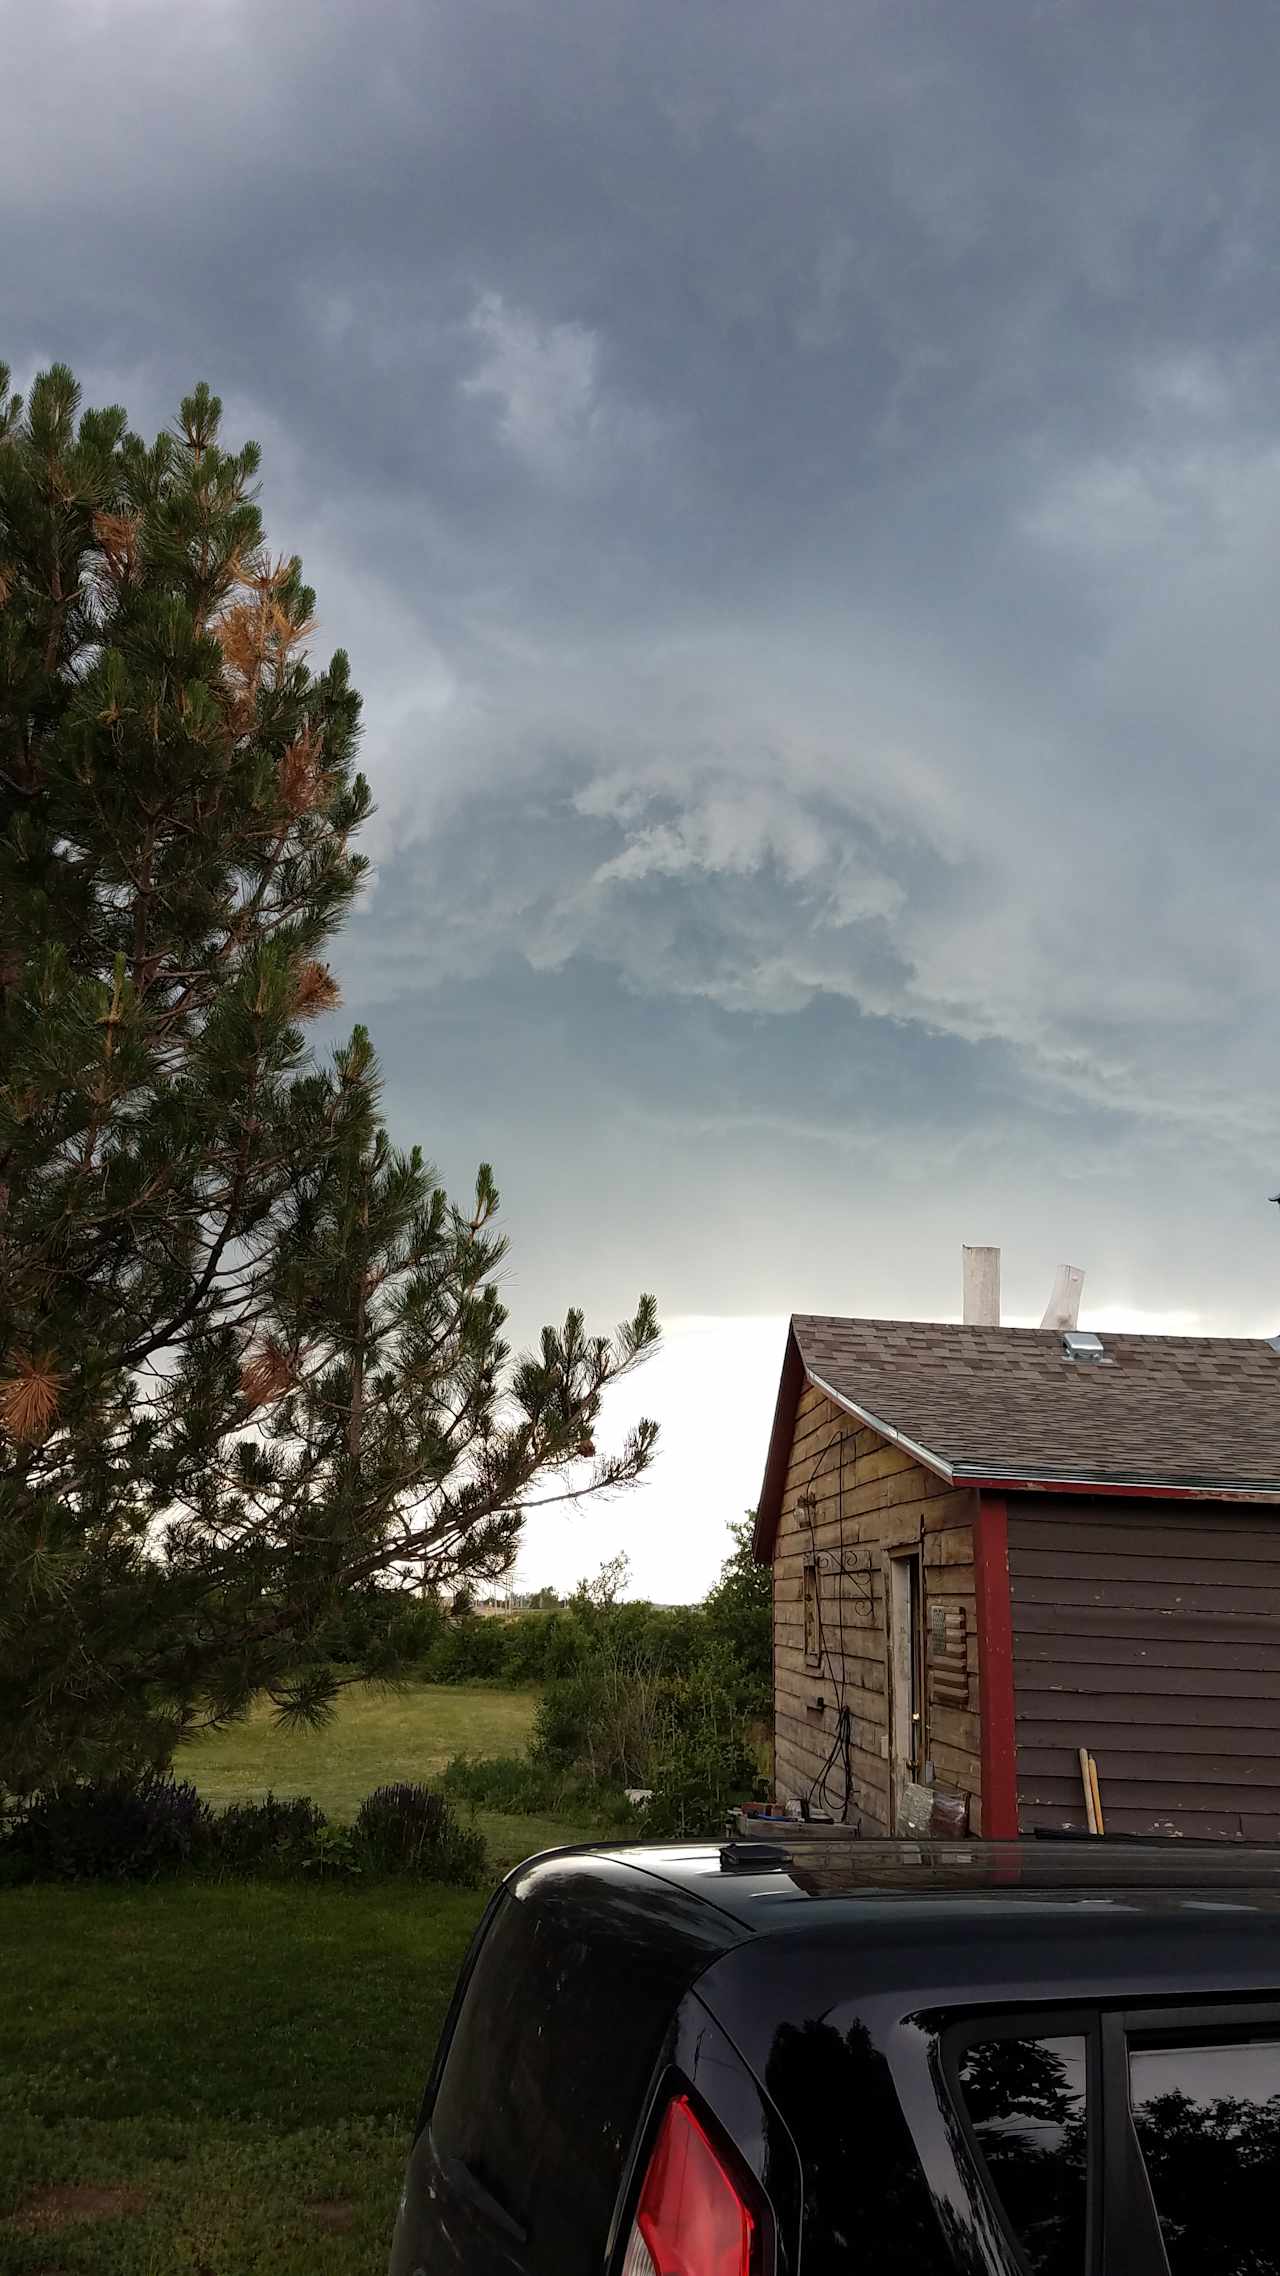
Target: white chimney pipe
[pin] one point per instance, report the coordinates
(1063, 1307)
(981, 1288)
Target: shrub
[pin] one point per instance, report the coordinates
(610, 1718)
(110, 1829)
(710, 1765)
(656, 1701)
(271, 1836)
(467, 1650)
(333, 1853)
(411, 1829)
(739, 1623)
(703, 1773)
(530, 1640)
(533, 1786)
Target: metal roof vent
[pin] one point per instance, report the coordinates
(1077, 1343)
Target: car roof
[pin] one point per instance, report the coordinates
(776, 1929)
(806, 1878)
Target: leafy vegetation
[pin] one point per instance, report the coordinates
(120, 1829)
(109, 1829)
(278, 1835)
(534, 1785)
(640, 1697)
(410, 1829)
(733, 1627)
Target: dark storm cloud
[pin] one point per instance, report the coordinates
(801, 487)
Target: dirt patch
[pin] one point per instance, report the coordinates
(76, 2201)
(332, 2213)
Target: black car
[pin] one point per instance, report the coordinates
(836, 2055)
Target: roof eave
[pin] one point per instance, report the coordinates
(935, 1462)
(1150, 1489)
(769, 1505)
(981, 1477)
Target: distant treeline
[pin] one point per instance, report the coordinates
(730, 1630)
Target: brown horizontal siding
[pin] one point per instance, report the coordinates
(1191, 1757)
(1145, 1663)
(1249, 1541)
(1146, 1689)
(1185, 1705)
(1131, 1621)
(1047, 1790)
(1154, 1640)
(1158, 1594)
(1190, 1575)
(1192, 1825)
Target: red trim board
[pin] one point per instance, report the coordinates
(995, 1670)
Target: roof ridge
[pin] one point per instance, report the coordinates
(1021, 1328)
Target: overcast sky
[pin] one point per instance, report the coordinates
(800, 486)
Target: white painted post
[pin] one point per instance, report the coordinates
(1063, 1307)
(981, 1288)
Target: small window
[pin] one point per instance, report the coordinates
(812, 1617)
(1207, 2117)
(1025, 2101)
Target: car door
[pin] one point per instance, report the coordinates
(1197, 2089)
(1124, 2141)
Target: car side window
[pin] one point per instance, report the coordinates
(1207, 2116)
(1026, 2099)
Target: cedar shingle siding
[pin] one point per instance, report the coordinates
(868, 1498)
(1151, 1636)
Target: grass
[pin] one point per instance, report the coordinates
(221, 2080)
(215, 2081)
(378, 1736)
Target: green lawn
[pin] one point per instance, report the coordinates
(214, 2081)
(221, 2081)
(378, 1736)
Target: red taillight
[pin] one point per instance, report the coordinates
(691, 2219)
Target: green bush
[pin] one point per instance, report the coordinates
(530, 1785)
(739, 1626)
(703, 1771)
(411, 1829)
(109, 1829)
(658, 1700)
(531, 1642)
(383, 1631)
(273, 1836)
(468, 1650)
(333, 1854)
(137, 1829)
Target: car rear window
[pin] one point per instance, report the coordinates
(555, 2045)
(1207, 2116)
(1026, 2101)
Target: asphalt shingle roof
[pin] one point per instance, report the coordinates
(1194, 1411)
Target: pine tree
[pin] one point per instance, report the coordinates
(251, 1357)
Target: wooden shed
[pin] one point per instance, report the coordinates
(994, 1546)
